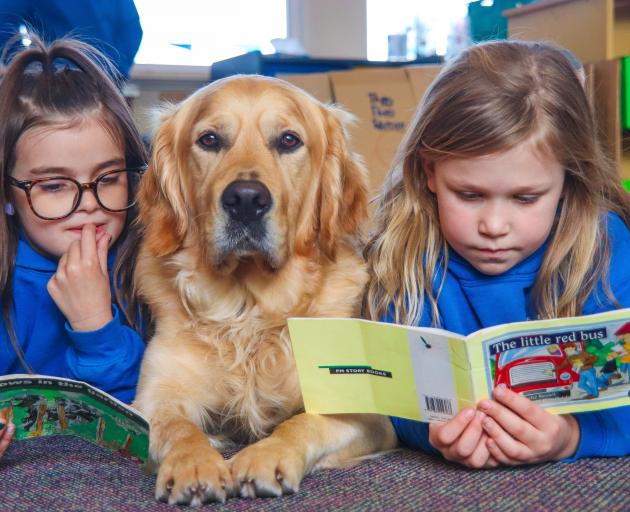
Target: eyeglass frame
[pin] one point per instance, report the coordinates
(27, 185)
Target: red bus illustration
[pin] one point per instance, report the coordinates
(537, 372)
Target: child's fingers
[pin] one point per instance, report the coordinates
(59, 275)
(447, 433)
(6, 435)
(88, 242)
(517, 427)
(524, 407)
(497, 454)
(480, 455)
(468, 441)
(512, 448)
(63, 261)
(102, 246)
(492, 463)
(71, 260)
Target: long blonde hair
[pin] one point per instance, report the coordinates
(491, 98)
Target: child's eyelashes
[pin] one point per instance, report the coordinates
(468, 196)
(477, 196)
(526, 199)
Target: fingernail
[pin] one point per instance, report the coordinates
(485, 405)
(481, 415)
(468, 413)
(10, 428)
(499, 390)
(487, 423)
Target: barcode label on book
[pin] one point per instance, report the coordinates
(435, 408)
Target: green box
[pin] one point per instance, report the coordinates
(625, 93)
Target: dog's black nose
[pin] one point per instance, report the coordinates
(246, 200)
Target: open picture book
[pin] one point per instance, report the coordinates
(41, 405)
(565, 365)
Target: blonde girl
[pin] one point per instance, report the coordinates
(503, 207)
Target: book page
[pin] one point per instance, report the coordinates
(40, 405)
(565, 365)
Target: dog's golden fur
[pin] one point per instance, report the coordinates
(220, 366)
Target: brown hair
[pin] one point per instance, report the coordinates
(58, 85)
(492, 97)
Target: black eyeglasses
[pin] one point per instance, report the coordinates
(58, 197)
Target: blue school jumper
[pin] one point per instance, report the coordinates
(108, 358)
(471, 300)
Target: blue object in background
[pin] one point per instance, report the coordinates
(112, 26)
(255, 63)
(486, 18)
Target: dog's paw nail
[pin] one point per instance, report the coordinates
(247, 490)
(288, 488)
(169, 485)
(279, 476)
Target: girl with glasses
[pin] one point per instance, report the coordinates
(70, 162)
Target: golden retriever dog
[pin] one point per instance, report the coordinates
(252, 207)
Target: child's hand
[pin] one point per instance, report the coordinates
(463, 440)
(80, 287)
(521, 432)
(6, 434)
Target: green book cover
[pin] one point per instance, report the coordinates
(41, 405)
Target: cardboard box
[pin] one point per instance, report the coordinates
(594, 30)
(316, 84)
(421, 77)
(383, 100)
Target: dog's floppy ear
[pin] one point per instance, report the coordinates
(163, 210)
(343, 187)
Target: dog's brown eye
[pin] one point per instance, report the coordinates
(288, 141)
(210, 141)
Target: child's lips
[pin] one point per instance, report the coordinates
(100, 230)
(492, 251)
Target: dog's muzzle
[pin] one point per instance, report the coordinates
(246, 201)
(246, 230)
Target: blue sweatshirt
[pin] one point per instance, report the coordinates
(108, 358)
(471, 300)
(112, 26)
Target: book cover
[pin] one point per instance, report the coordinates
(565, 365)
(41, 405)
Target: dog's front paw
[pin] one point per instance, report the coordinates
(194, 478)
(267, 468)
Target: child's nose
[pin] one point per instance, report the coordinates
(493, 221)
(88, 201)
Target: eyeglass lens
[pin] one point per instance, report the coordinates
(59, 197)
